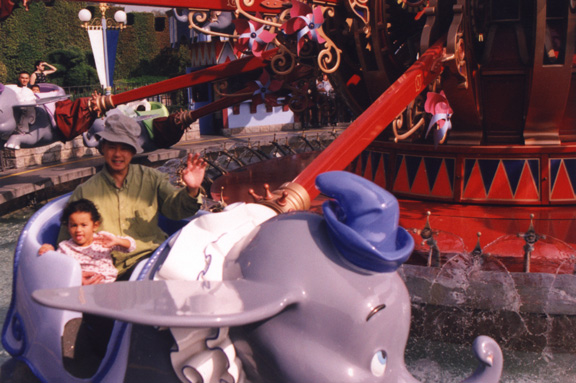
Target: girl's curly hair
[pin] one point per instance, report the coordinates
(82, 205)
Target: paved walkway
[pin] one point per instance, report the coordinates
(24, 187)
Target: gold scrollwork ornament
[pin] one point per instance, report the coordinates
(360, 9)
(329, 58)
(196, 17)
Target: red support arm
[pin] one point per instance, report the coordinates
(240, 96)
(224, 102)
(74, 118)
(271, 6)
(216, 72)
(374, 119)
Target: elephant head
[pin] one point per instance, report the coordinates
(352, 318)
(142, 111)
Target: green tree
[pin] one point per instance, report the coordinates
(73, 68)
(28, 36)
(3, 73)
(49, 33)
(172, 62)
(137, 47)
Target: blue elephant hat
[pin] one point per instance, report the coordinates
(362, 222)
(121, 129)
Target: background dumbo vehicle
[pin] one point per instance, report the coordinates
(308, 298)
(43, 130)
(142, 111)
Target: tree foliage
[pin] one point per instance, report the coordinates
(53, 33)
(28, 36)
(73, 68)
(3, 73)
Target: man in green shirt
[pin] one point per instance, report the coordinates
(131, 197)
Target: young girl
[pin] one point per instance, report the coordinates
(93, 250)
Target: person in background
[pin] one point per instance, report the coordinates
(93, 250)
(40, 73)
(35, 88)
(324, 85)
(26, 114)
(325, 100)
(131, 197)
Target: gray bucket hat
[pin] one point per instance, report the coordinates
(122, 129)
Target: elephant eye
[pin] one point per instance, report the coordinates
(374, 311)
(378, 363)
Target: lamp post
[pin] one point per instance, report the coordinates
(103, 35)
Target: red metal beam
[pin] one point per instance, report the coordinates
(224, 102)
(264, 6)
(213, 73)
(220, 5)
(243, 95)
(269, 6)
(375, 119)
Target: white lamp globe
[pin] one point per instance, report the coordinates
(84, 15)
(120, 17)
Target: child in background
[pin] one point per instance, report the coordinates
(93, 250)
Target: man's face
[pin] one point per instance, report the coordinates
(117, 156)
(23, 79)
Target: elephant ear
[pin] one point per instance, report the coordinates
(46, 100)
(174, 303)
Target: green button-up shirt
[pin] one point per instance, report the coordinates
(134, 208)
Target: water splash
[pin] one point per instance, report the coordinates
(441, 362)
(531, 315)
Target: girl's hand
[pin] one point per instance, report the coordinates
(91, 278)
(45, 248)
(108, 240)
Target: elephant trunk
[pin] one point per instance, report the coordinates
(491, 361)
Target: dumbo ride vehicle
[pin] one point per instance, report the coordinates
(249, 295)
